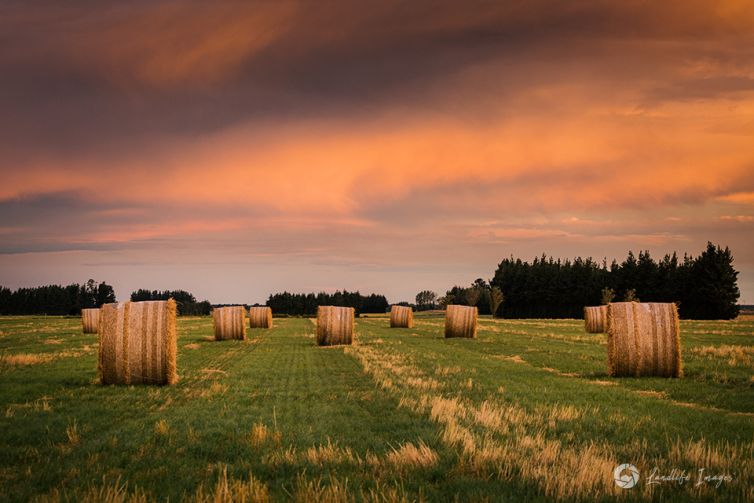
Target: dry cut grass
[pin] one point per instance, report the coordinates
(230, 490)
(409, 455)
(330, 454)
(115, 492)
(333, 490)
(25, 359)
(733, 355)
(504, 440)
(261, 435)
(500, 440)
(72, 433)
(161, 429)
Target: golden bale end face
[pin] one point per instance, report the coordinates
(461, 321)
(335, 325)
(260, 317)
(595, 319)
(661, 339)
(643, 339)
(229, 323)
(138, 343)
(90, 320)
(401, 317)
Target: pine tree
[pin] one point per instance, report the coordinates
(714, 289)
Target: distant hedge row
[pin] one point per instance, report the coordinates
(185, 301)
(305, 304)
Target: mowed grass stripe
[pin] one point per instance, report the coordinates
(531, 386)
(115, 419)
(558, 411)
(303, 419)
(707, 383)
(310, 396)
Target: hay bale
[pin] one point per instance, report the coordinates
(461, 321)
(401, 317)
(335, 325)
(137, 343)
(622, 341)
(662, 340)
(643, 339)
(594, 319)
(90, 320)
(229, 323)
(260, 317)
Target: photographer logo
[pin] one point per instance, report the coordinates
(626, 476)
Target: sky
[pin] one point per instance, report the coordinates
(240, 149)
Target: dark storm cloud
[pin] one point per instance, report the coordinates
(85, 75)
(56, 216)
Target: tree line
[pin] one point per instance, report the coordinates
(55, 299)
(185, 301)
(71, 299)
(704, 287)
(305, 304)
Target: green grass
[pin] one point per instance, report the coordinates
(524, 412)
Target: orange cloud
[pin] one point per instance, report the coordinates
(739, 198)
(571, 157)
(175, 228)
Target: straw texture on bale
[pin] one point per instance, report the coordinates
(461, 321)
(90, 320)
(260, 317)
(595, 318)
(401, 317)
(137, 343)
(643, 339)
(229, 323)
(334, 325)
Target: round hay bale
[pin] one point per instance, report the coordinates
(622, 342)
(643, 339)
(461, 321)
(662, 340)
(90, 320)
(260, 317)
(137, 343)
(401, 317)
(335, 325)
(229, 323)
(594, 319)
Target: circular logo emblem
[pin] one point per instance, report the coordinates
(626, 476)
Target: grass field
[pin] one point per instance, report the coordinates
(524, 412)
